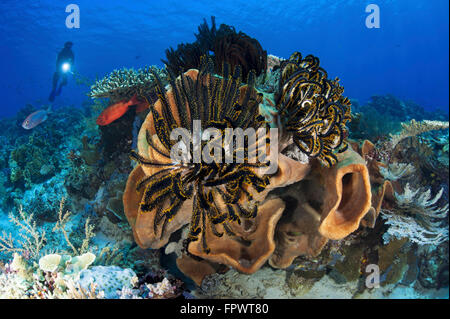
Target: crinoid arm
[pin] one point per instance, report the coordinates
(312, 108)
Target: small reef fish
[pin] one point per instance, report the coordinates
(35, 118)
(117, 110)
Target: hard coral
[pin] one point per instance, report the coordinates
(125, 83)
(126, 88)
(413, 128)
(28, 159)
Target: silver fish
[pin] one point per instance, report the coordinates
(35, 118)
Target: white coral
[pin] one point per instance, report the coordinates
(128, 293)
(161, 288)
(124, 83)
(420, 202)
(407, 227)
(67, 289)
(417, 217)
(413, 128)
(397, 171)
(13, 286)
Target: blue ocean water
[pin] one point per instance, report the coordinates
(407, 56)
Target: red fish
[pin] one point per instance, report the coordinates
(35, 118)
(117, 110)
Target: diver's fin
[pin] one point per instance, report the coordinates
(51, 98)
(58, 92)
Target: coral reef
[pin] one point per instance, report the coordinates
(414, 128)
(35, 274)
(33, 162)
(123, 84)
(331, 205)
(141, 204)
(231, 219)
(417, 217)
(383, 114)
(174, 186)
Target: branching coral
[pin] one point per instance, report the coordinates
(417, 217)
(13, 286)
(407, 227)
(311, 108)
(420, 202)
(32, 239)
(76, 291)
(60, 225)
(160, 289)
(414, 128)
(53, 285)
(152, 287)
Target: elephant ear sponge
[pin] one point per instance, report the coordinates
(172, 193)
(348, 195)
(312, 108)
(328, 204)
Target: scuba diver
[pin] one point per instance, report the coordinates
(64, 64)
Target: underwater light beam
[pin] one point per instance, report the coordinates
(66, 67)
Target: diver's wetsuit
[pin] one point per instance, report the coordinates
(65, 55)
